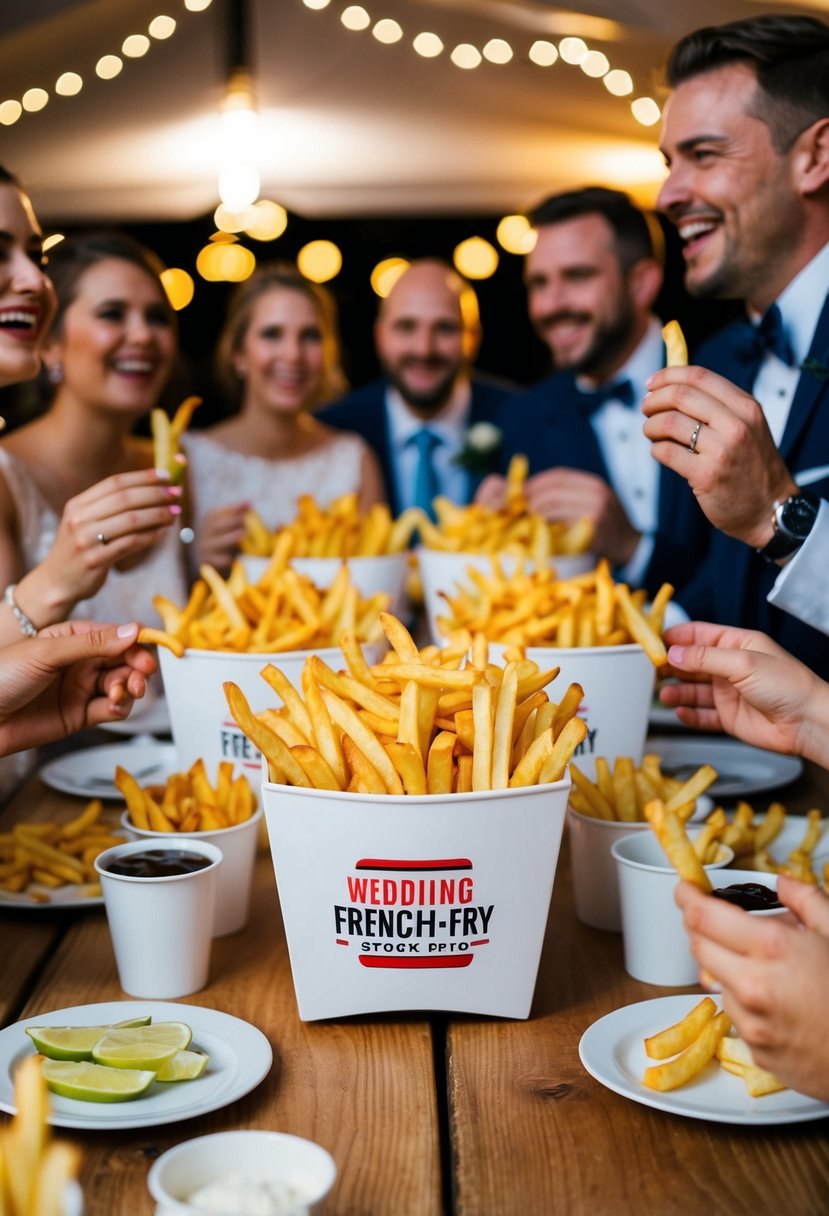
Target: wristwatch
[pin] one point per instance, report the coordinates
(792, 520)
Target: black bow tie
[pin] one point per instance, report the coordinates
(620, 390)
(754, 342)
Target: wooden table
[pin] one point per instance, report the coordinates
(427, 1115)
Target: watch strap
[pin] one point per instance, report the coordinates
(784, 543)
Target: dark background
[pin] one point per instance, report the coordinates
(509, 349)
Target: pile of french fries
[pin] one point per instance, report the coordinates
(283, 611)
(427, 721)
(621, 794)
(748, 840)
(751, 839)
(511, 528)
(167, 433)
(338, 530)
(535, 608)
(34, 1172)
(188, 802)
(39, 857)
(701, 1036)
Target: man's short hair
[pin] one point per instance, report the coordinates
(633, 236)
(790, 56)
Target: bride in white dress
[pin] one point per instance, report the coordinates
(280, 349)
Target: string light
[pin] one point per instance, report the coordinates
(498, 51)
(595, 63)
(388, 31)
(572, 50)
(316, 4)
(428, 45)
(355, 17)
(51, 241)
(319, 261)
(69, 84)
(543, 53)
(515, 234)
(385, 274)
(475, 258)
(466, 56)
(618, 83)
(646, 111)
(179, 287)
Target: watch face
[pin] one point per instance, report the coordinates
(796, 517)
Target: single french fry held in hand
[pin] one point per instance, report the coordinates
(37, 858)
(536, 608)
(188, 801)
(34, 1171)
(283, 611)
(671, 834)
(417, 723)
(167, 433)
(676, 348)
(339, 530)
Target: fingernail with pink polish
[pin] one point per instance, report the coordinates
(676, 655)
(163, 474)
(174, 509)
(174, 491)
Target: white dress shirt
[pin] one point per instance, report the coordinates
(802, 587)
(634, 474)
(450, 425)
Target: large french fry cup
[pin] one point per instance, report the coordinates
(414, 902)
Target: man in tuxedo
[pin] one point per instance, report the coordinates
(592, 280)
(422, 416)
(746, 138)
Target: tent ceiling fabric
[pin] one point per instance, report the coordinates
(348, 126)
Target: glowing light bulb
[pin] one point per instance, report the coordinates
(10, 111)
(595, 63)
(388, 31)
(179, 286)
(319, 261)
(265, 220)
(646, 111)
(51, 241)
(108, 67)
(69, 84)
(515, 234)
(239, 185)
(475, 258)
(355, 17)
(162, 27)
(572, 50)
(135, 45)
(385, 274)
(618, 83)
(428, 45)
(498, 51)
(466, 56)
(34, 100)
(543, 53)
(196, 6)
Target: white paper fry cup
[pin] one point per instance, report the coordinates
(386, 573)
(442, 572)
(254, 1155)
(199, 717)
(656, 945)
(161, 928)
(238, 849)
(618, 684)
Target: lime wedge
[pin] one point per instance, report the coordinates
(92, 1083)
(73, 1042)
(66, 1042)
(144, 1021)
(141, 1046)
(183, 1066)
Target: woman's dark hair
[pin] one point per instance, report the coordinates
(276, 276)
(8, 179)
(71, 258)
(789, 55)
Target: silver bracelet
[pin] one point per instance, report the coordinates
(26, 627)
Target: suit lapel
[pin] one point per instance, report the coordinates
(811, 385)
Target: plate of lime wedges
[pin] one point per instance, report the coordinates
(127, 1064)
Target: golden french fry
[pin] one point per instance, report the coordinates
(688, 793)
(566, 742)
(157, 637)
(408, 761)
(676, 1038)
(671, 834)
(439, 767)
(692, 1060)
(676, 348)
(600, 806)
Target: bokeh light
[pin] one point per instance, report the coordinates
(10, 111)
(475, 258)
(68, 84)
(466, 56)
(385, 274)
(515, 234)
(108, 67)
(179, 286)
(427, 44)
(646, 111)
(238, 186)
(265, 220)
(135, 45)
(618, 82)
(34, 100)
(319, 261)
(162, 27)
(388, 31)
(572, 50)
(595, 63)
(543, 53)
(50, 241)
(355, 17)
(498, 51)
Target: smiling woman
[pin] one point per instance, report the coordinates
(79, 499)
(26, 301)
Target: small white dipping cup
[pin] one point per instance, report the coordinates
(259, 1155)
(655, 942)
(238, 848)
(161, 928)
(734, 877)
(595, 873)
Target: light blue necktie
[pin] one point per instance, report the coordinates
(426, 479)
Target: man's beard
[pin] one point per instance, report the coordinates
(609, 341)
(425, 402)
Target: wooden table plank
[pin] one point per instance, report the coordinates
(533, 1133)
(363, 1088)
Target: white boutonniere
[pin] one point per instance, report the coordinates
(481, 446)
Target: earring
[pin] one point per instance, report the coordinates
(55, 373)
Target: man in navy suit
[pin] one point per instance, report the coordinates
(746, 136)
(592, 279)
(419, 416)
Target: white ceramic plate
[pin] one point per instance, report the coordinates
(89, 773)
(742, 769)
(240, 1057)
(149, 716)
(64, 899)
(612, 1050)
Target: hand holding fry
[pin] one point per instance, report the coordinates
(774, 978)
(167, 433)
(34, 1171)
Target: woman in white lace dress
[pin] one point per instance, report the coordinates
(88, 528)
(280, 349)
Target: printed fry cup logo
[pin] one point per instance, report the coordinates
(412, 913)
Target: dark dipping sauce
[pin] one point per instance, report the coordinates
(752, 896)
(158, 863)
